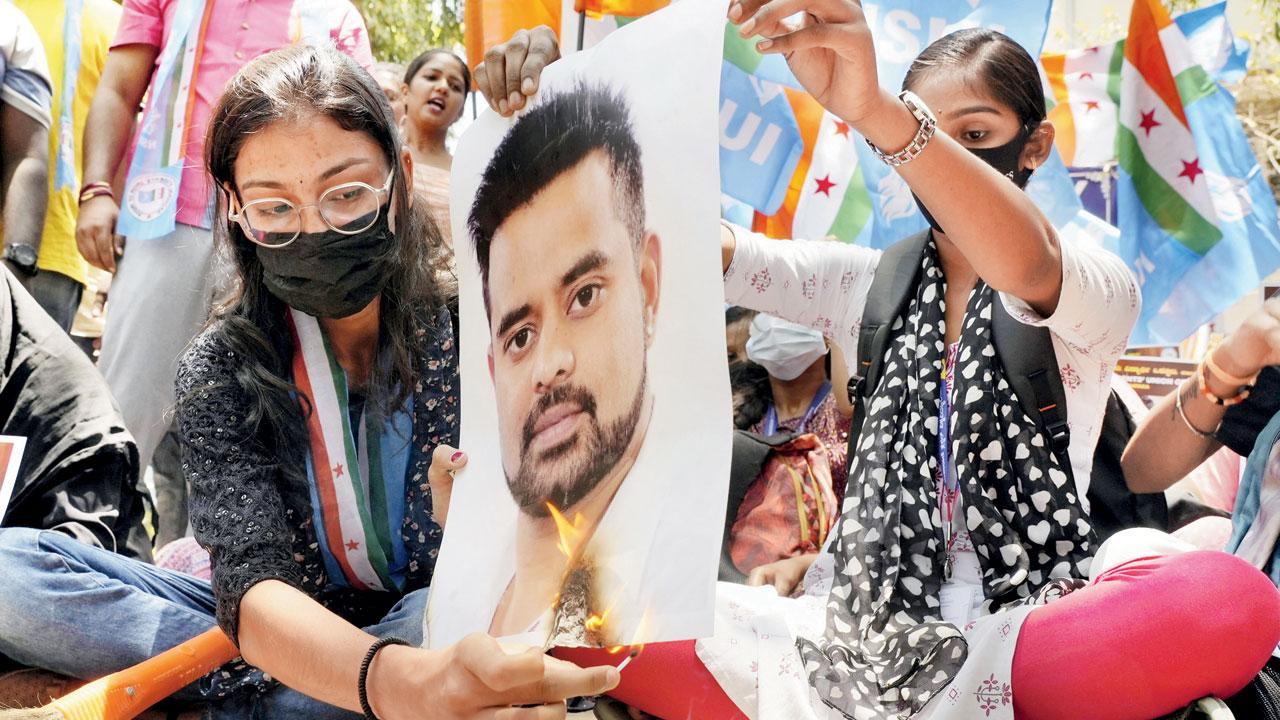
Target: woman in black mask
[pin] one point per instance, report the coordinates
(308, 410)
(961, 521)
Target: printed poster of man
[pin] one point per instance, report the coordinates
(596, 408)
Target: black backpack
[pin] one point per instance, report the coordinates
(1032, 368)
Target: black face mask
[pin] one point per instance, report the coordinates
(1005, 159)
(328, 274)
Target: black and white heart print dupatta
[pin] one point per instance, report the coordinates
(886, 651)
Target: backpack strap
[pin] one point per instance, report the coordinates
(895, 278)
(1030, 363)
(750, 453)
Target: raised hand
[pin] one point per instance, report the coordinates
(510, 73)
(829, 49)
(1254, 345)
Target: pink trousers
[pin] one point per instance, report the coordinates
(1143, 639)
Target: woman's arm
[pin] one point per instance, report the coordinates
(817, 283)
(1164, 449)
(317, 653)
(1009, 242)
(840, 380)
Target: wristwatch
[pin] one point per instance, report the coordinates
(22, 256)
(928, 126)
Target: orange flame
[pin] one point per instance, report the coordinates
(572, 535)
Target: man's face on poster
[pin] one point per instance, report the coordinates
(572, 303)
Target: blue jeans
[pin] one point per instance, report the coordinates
(85, 612)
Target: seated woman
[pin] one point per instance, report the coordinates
(959, 524)
(806, 389)
(308, 410)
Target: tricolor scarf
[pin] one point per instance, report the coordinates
(886, 650)
(356, 475)
(64, 174)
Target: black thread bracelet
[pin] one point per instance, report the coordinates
(364, 672)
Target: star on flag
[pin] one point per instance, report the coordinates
(1091, 105)
(352, 545)
(1086, 75)
(824, 185)
(1191, 169)
(337, 470)
(1149, 122)
(842, 128)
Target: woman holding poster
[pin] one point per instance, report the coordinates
(964, 580)
(308, 410)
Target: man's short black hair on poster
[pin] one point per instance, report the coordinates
(548, 141)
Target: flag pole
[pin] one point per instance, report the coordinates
(582, 26)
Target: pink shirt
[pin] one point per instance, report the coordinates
(239, 31)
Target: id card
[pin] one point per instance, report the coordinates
(958, 603)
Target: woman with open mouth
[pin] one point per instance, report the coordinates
(435, 91)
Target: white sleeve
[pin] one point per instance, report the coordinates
(24, 73)
(1098, 305)
(819, 283)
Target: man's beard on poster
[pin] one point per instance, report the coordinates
(599, 450)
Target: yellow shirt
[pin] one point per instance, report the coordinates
(98, 22)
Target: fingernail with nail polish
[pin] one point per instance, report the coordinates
(456, 456)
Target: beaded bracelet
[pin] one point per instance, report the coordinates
(364, 672)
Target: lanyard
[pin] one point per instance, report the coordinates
(948, 482)
(771, 415)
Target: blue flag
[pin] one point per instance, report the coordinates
(760, 141)
(1212, 43)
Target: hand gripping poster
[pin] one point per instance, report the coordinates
(596, 406)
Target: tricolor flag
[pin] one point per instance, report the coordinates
(827, 195)
(1084, 85)
(1085, 88)
(1197, 218)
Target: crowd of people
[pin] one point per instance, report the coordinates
(263, 210)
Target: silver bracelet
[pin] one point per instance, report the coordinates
(928, 126)
(1187, 421)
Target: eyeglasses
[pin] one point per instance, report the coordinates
(348, 208)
